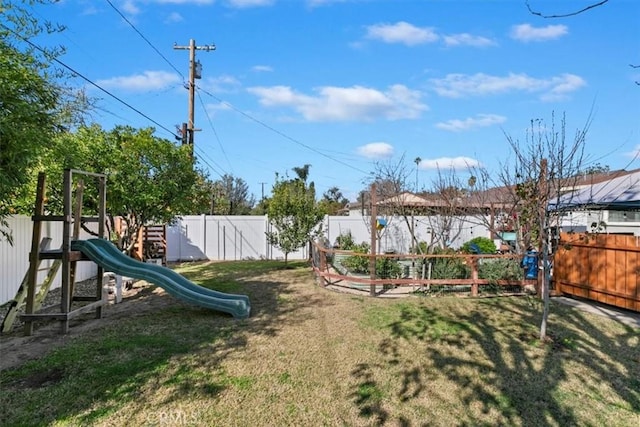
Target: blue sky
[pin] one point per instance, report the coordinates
(344, 84)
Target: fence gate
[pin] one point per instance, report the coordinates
(599, 267)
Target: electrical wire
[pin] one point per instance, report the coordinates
(215, 133)
(184, 80)
(282, 134)
(202, 156)
(77, 73)
(146, 40)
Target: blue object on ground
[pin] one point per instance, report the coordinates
(530, 264)
(108, 256)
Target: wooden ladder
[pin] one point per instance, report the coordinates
(63, 258)
(18, 303)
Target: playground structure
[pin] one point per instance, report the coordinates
(104, 254)
(31, 294)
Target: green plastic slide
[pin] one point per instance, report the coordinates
(109, 257)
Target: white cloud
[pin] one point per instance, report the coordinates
(130, 7)
(466, 39)
(219, 106)
(528, 33)
(262, 68)
(149, 80)
(222, 84)
(461, 85)
(562, 86)
(481, 120)
(401, 32)
(635, 153)
(376, 150)
(174, 17)
(90, 10)
(241, 4)
(345, 103)
(449, 163)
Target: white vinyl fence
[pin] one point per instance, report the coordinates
(243, 237)
(205, 237)
(14, 260)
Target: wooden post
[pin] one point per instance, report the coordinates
(374, 237)
(77, 225)
(65, 303)
(474, 275)
(102, 215)
(34, 255)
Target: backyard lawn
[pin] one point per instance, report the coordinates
(308, 356)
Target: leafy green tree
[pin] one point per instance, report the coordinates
(230, 196)
(149, 179)
(482, 244)
(294, 214)
(32, 104)
(333, 201)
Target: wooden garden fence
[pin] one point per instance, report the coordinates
(600, 267)
(329, 271)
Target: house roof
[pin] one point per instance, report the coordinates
(621, 192)
(405, 199)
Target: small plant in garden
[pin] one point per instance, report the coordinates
(447, 268)
(482, 244)
(345, 242)
(500, 269)
(359, 264)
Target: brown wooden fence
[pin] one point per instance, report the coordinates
(600, 267)
(330, 271)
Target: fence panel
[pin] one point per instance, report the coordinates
(600, 267)
(14, 260)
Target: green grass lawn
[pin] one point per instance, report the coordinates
(309, 357)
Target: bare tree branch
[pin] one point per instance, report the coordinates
(564, 15)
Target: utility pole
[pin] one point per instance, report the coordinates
(264, 211)
(195, 72)
(262, 183)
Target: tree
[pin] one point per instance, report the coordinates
(595, 169)
(448, 206)
(230, 196)
(31, 103)
(546, 166)
(149, 179)
(293, 214)
(392, 181)
(333, 201)
(442, 205)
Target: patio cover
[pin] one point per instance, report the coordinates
(621, 193)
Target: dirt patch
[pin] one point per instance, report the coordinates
(43, 378)
(16, 349)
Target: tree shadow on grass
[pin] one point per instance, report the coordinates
(172, 347)
(488, 350)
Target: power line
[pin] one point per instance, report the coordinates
(204, 154)
(77, 73)
(214, 131)
(146, 40)
(282, 134)
(208, 164)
